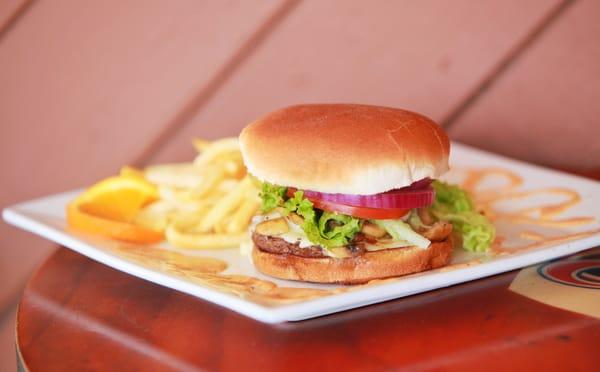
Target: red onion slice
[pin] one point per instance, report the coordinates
(419, 194)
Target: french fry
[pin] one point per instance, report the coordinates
(215, 149)
(186, 221)
(184, 175)
(227, 185)
(221, 227)
(176, 194)
(224, 206)
(217, 158)
(241, 218)
(154, 216)
(234, 168)
(202, 241)
(200, 144)
(162, 212)
(213, 177)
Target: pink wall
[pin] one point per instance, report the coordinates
(88, 86)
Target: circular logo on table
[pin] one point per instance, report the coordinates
(583, 272)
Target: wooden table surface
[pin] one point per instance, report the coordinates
(77, 314)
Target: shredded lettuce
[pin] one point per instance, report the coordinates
(400, 230)
(454, 205)
(327, 229)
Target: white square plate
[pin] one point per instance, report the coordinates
(539, 214)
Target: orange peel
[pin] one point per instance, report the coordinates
(124, 231)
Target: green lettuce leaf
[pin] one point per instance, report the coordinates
(272, 196)
(400, 230)
(298, 202)
(454, 205)
(338, 229)
(477, 231)
(451, 198)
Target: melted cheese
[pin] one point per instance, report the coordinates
(294, 235)
(388, 244)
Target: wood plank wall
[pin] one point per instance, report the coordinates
(88, 86)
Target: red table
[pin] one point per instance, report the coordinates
(76, 314)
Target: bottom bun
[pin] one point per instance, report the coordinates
(354, 270)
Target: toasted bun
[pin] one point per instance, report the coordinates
(344, 148)
(361, 269)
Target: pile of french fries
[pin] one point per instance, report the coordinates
(206, 204)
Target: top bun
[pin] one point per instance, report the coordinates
(344, 148)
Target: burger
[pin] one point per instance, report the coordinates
(349, 194)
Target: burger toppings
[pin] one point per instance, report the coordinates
(345, 192)
(388, 205)
(323, 228)
(274, 244)
(348, 225)
(419, 194)
(360, 212)
(275, 226)
(454, 205)
(400, 230)
(437, 232)
(284, 243)
(373, 230)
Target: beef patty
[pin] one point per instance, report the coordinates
(437, 232)
(273, 244)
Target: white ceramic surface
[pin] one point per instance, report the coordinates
(46, 218)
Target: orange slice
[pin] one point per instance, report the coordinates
(109, 207)
(117, 198)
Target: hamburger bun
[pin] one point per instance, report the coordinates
(354, 270)
(344, 148)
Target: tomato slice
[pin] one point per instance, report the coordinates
(355, 211)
